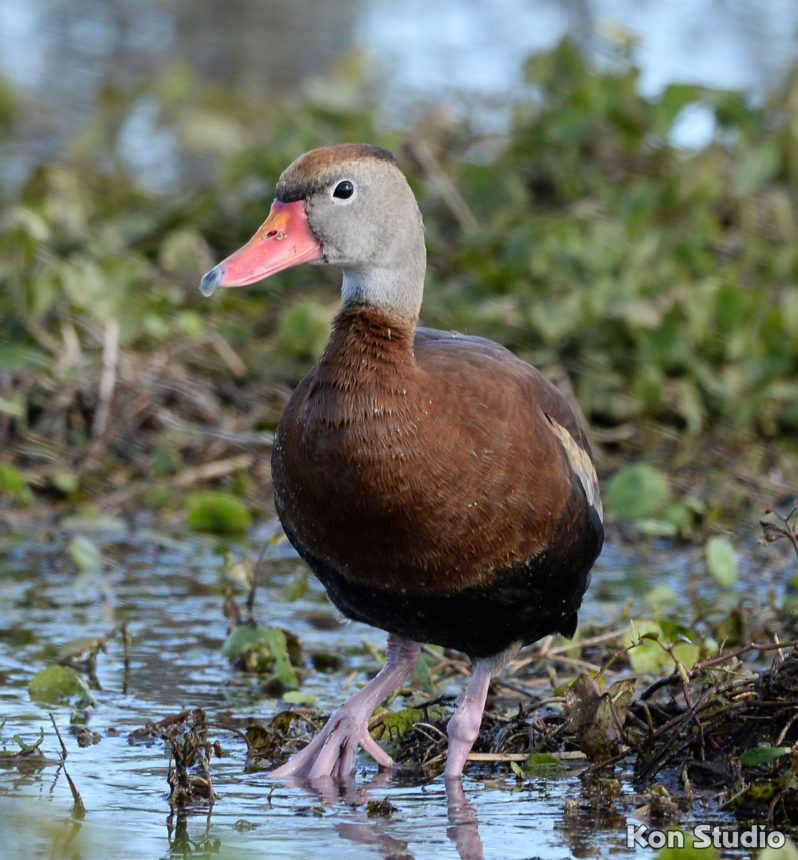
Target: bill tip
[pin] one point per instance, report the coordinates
(210, 281)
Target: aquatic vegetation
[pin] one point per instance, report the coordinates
(60, 684)
(656, 283)
(260, 648)
(722, 561)
(219, 513)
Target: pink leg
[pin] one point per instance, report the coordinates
(464, 724)
(333, 751)
(463, 827)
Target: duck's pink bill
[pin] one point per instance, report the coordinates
(283, 240)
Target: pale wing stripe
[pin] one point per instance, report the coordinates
(581, 464)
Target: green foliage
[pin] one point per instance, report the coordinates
(421, 673)
(262, 649)
(397, 723)
(59, 684)
(730, 631)
(85, 554)
(23, 748)
(14, 485)
(218, 513)
(661, 596)
(639, 266)
(787, 852)
(297, 697)
(722, 561)
(642, 494)
(303, 329)
(763, 755)
(638, 492)
(686, 849)
(544, 765)
(66, 482)
(661, 281)
(656, 645)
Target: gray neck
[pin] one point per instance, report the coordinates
(395, 290)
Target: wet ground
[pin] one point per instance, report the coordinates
(170, 589)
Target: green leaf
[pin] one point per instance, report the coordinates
(262, 647)
(14, 485)
(14, 406)
(278, 646)
(66, 482)
(304, 328)
(757, 165)
(165, 460)
(680, 515)
(396, 724)
(731, 629)
(421, 673)
(217, 513)
(660, 596)
(543, 764)
(296, 697)
(85, 554)
(638, 492)
(650, 640)
(674, 99)
(722, 561)
(787, 852)
(656, 528)
(27, 222)
(25, 748)
(57, 684)
(689, 851)
(763, 755)
(298, 585)
(190, 323)
(243, 639)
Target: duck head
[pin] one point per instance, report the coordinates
(349, 206)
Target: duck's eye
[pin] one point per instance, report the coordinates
(344, 190)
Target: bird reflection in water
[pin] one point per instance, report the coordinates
(365, 828)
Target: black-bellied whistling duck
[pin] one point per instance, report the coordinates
(439, 487)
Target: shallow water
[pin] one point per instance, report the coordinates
(170, 590)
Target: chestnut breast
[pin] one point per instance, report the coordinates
(422, 461)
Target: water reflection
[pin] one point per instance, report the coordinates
(463, 827)
(181, 842)
(384, 816)
(364, 828)
(170, 590)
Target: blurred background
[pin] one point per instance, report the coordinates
(609, 189)
(466, 55)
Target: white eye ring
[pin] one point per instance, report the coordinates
(343, 191)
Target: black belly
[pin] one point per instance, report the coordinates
(520, 604)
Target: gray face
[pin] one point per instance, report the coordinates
(361, 208)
